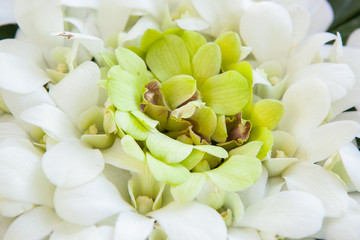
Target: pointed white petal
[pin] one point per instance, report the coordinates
(317, 181)
(21, 177)
(192, 24)
(19, 75)
(292, 214)
(10, 208)
(350, 156)
(266, 27)
(70, 231)
(90, 202)
(306, 104)
(70, 93)
(33, 225)
(81, 3)
(338, 77)
(17, 102)
(256, 191)
(190, 221)
(306, 51)
(51, 120)
(133, 226)
(140, 27)
(71, 163)
(243, 234)
(326, 140)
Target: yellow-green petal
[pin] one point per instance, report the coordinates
(220, 135)
(193, 159)
(178, 89)
(237, 173)
(133, 64)
(172, 174)
(123, 89)
(188, 190)
(204, 122)
(267, 113)
(249, 149)
(149, 38)
(144, 119)
(193, 41)
(168, 57)
(226, 93)
(129, 123)
(264, 135)
(167, 149)
(230, 45)
(206, 62)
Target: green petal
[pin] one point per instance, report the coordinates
(213, 150)
(168, 57)
(226, 93)
(220, 135)
(93, 115)
(167, 149)
(178, 89)
(233, 202)
(131, 147)
(144, 119)
(249, 149)
(230, 45)
(237, 173)
(168, 173)
(267, 113)
(244, 68)
(193, 159)
(264, 135)
(189, 190)
(193, 41)
(133, 64)
(206, 62)
(123, 89)
(109, 57)
(98, 140)
(131, 125)
(149, 38)
(159, 113)
(204, 122)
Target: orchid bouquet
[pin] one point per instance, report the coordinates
(178, 119)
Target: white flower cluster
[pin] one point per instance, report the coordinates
(65, 174)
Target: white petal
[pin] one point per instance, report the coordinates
(52, 120)
(338, 77)
(140, 27)
(306, 104)
(37, 24)
(19, 75)
(344, 227)
(327, 139)
(4, 225)
(266, 27)
(316, 180)
(11, 130)
(350, 156)
(290, 214)
(10, 208)
(81, 3)
(21, 177)
(190, 221)
(192, 24)
(354, 39)
(71, 163)
(89, 203)
(17, 102)
(321, 15)
(33, 225)
(256, 191)
(6, 12)
(243, 234)
(24, 50)
(306, 51)
(112, 18)
(133, 226)
(154, 7)
(70, 93)
(70, 231)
